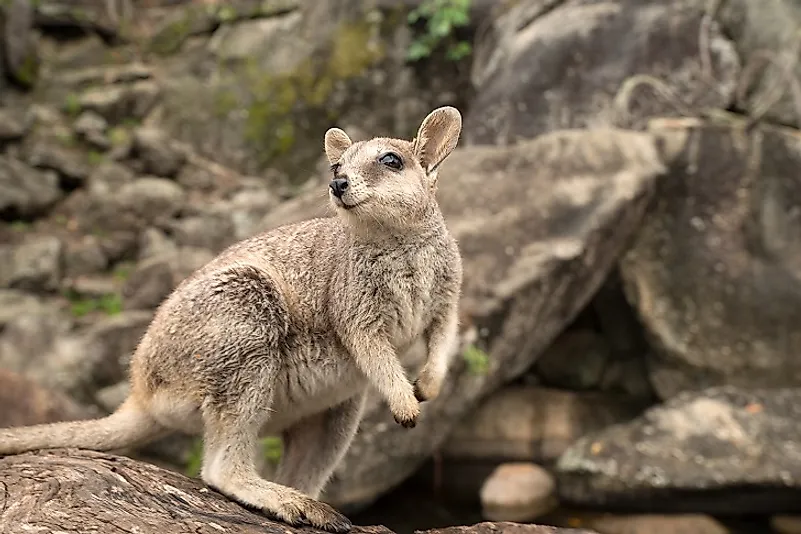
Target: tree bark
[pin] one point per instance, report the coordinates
(76, 492)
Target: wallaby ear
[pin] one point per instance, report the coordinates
(437, 137)
(336, 143)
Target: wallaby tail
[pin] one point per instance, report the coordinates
(127, 427)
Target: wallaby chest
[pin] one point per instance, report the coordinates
(409, 284)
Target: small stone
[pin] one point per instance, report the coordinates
(148, 285)
(154, 242)
(661, 524)
(25, 191)
(91, 286)
(90, 122)
(91, 127)
(14, 124)
(151, 198)
(108, 102)
(211, 231)
(71, 165)
(786, 524)
(14, 303)
(518, 492)
(143, 96)
(111, 397)
(85, 256)
(157, 152)
(108, 177)
(34, 265)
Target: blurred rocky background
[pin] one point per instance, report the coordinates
(627, 196)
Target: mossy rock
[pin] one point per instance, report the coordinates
(195, 19)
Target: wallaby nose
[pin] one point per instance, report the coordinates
(338, 186)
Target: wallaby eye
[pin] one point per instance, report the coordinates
(391, 160)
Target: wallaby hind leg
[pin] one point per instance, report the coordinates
(314, 446)
(229, 467)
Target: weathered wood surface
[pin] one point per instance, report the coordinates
(69, 491)
(77, 492)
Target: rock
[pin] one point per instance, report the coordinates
(536, 245)
(154, 242)
(98, 356)
(766, 38)
(718, 451)
(518, 492)
(14, 303)
(91, 127)
(72, 165)
(505, 527)
(657, 524)
(117, 102)
(14, 124)
(576, 360)
(111, 397)
(149, 284)
(85, 256)
(21, 56)
(542, 66)
(29, 334)
(213, 231)
(328, 62)
(34, 265)
(108, 177)
(24, 402)
(249, 205)
(152, 199)
(84, 15)
(24, 191)
(520, 423)
(157, 152)
(786, 524)
(713, 272)
(91, 487)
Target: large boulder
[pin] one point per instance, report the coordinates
(720, 451)
(540, 224)
(546, 65)
(713, 272)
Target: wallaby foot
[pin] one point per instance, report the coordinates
(314, 446)
(229, 468)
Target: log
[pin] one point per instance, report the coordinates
(75, 491)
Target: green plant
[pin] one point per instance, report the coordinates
(95, 158)
(271, 447)
(442, 17)
(72, 104)
(19, 226)
(110, 304)
(194, 459)
(477, 360)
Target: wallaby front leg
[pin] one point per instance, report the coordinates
(442, 339)
(376, 358)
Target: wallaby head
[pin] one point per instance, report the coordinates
(387, 182)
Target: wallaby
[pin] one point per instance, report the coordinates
(282, 333)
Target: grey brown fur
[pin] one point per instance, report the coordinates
(282, 333)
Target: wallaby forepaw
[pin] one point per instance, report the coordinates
(425, 389)
(408, 418)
